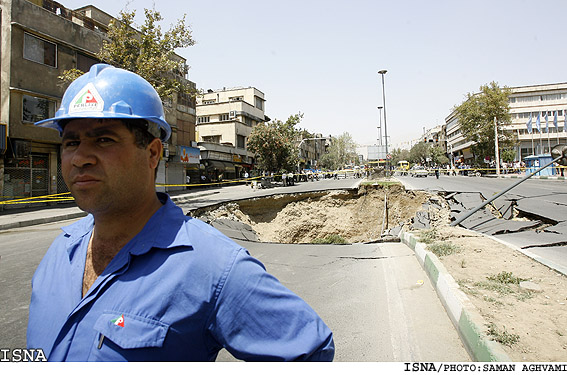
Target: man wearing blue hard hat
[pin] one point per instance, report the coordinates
(137, 280)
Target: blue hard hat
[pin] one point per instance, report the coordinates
(109, 92)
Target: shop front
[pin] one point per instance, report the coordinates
(190, 158)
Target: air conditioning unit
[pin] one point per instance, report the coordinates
(232, 114)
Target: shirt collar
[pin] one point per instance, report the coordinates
(164, 230)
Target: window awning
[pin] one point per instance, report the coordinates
(221, 165)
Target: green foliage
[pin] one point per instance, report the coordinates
(508, 155)
(419, 153)
(148, 51)
(443, 248)
(330, 239)
(274, 144)
(380, 183)
(341, 152)
(399, 154)
(438, 155)
(502, 336)
(422, 151)
(506, 278)
(70, 75)
(428, 236)
(505, 283)
(476, 117)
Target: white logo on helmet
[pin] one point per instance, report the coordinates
(88, 99)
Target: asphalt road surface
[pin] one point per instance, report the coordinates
(537, 198)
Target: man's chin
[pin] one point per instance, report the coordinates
(90, 204)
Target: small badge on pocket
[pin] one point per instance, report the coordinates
(118, 321)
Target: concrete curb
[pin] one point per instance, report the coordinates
(514, 176)
(469, 323)
(42, 220)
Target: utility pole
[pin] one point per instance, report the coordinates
(496, 153)
(380, 127)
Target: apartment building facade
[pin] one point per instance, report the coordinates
(525, 102)
(40, 39)
(547, 102)
(225, 119)
(311, 149)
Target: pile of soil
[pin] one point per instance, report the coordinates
(530, 321)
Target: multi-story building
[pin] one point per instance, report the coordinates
(525, 101)
(40, 39)
(546, 101)
(225, 119)
(311, 149)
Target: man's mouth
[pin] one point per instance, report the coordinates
(81, 181)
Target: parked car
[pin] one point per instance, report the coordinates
(418, 171)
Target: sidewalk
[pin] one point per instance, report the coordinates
(522, 175)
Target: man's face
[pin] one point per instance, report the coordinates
(104, 169)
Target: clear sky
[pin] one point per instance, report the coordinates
(321, 57)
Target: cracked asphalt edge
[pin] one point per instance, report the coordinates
(468, 322)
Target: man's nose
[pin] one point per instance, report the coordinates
(83, 155)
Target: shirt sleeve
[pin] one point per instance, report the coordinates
(258, 319)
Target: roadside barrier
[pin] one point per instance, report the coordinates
(560, 171)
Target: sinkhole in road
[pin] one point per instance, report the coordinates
(348, 216)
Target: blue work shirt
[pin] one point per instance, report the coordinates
(178, 291)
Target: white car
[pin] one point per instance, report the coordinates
(418, 171)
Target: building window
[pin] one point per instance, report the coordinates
(223, 117)
(209, 101)
(240, 141)
(39, 50)
(248, 121)
(212, 138)
(259, 103)
(37, 109)
(85, 62)
(203, 119)
(185, 99)
(236, 98)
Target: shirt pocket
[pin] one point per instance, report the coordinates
(130, 331)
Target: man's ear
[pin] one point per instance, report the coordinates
(156, 149)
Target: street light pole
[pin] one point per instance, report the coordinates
(380, 127)
(382, 72)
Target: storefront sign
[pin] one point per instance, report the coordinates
(189, 155)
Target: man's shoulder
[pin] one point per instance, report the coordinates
(178, 229)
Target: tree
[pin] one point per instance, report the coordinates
(148, 52)
(341, 152)
(274, 144)
(398, 154)
(508, 155)
(438, 155)
(419, 153)
(476, 117)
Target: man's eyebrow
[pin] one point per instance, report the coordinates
(104, 130)
(93, 133)
(69, 135)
